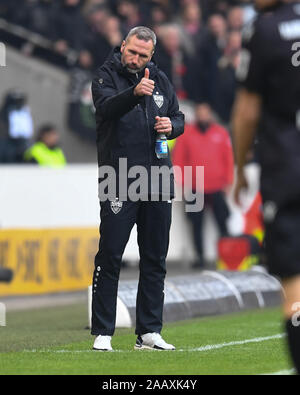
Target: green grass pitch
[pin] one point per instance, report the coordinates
(54, 341)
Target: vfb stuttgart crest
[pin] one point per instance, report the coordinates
(159, 100)
(116, 206)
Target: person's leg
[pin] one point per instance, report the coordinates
(114, 234)
(291, 309)
(221, 211)
(154, 221)
(283, 259)
(196, 220)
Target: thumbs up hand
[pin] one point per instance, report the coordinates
(147, 74)
(146, 86)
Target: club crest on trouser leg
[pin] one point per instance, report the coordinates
(116, 206)
(159, 100)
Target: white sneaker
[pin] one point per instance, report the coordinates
(152, 341)
(102, 343)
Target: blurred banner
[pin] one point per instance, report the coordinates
(45, 261)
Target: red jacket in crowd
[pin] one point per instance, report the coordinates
(211, 149)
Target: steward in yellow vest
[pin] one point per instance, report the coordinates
(46, 152)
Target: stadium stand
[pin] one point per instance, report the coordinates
(198, 45)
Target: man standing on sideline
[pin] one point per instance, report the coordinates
(269, 102)
(134, 103)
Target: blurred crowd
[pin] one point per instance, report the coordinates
(198, 40)
(199, 43)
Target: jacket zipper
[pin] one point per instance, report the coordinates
(148, 128)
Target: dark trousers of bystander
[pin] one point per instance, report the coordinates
(216, 201)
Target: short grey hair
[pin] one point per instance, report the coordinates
(142, 33)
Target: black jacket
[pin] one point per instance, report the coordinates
(125, 122)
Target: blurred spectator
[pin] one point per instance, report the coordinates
(15, 11)
(225, 83)
(81, 111)
(129, 12)
(88, 4)
(17, 126)
(218, 29)
(204, 66)
(192, 26)
(6, 9)
(158, 16)
(113, 31)
(172, 58)
(38, 16)
(46, 150)
(235, 18)
(206, 144)
(96, 46)
(68, 26)
(198, 41)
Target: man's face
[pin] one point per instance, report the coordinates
(136, 54)
(203, 113)
(51, 139)
(265, 4)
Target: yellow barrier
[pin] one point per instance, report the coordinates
(46, 261)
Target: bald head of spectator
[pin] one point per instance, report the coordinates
(170, 38)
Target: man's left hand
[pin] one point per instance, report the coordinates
(163, 125)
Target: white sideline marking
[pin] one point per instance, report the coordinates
(237, 343)
(200, 349)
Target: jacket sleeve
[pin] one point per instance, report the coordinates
(176, 116)
(110, 103)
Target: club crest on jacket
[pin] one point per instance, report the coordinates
(116, 206)
(159, 100)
